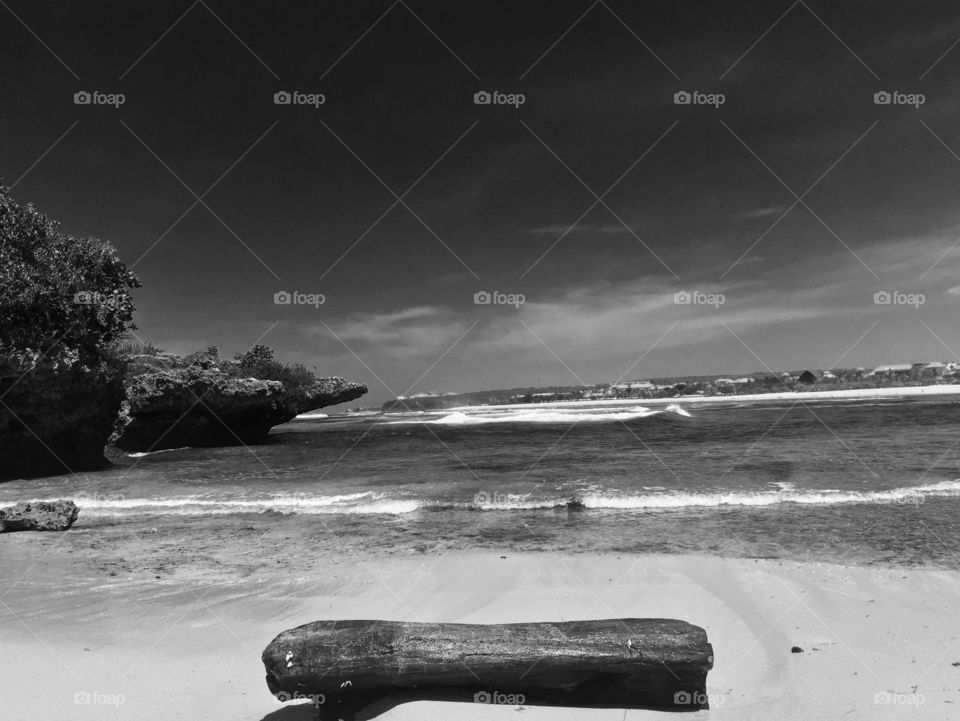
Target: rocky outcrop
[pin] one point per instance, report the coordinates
(172, 402)
(56, 418)
(39, 516)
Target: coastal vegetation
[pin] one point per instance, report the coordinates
(904, 375)
(74, 379)
(64, 299)
(202, 399)
(64, 304)
(259, 362)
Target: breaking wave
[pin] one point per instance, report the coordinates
(552, 414)
(910, 494)
(371, 503)
(300, 504)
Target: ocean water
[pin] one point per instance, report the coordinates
(850, 482)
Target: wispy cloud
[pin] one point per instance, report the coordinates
(558, 229)
(760, 212)
(413, 329)
(598, 329)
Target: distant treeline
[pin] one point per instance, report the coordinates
(474, 398)
(838, 379)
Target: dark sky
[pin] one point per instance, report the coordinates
(700, 198)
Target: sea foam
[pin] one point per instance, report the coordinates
(906, 495)
(547, 415)
(371, 503)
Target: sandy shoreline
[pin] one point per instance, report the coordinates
(866, 394)
(878, 642)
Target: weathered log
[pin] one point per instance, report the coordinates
(631, 663)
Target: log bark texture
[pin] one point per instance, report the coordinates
(631, 663)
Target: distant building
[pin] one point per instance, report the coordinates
(893, 369)
(630, 387)
(544, 397)
(932, 370)
(807, 377)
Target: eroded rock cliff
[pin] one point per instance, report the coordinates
(173, 402)
(56, 418)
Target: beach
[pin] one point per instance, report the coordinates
(877, 643)
(324, 325)
(775, 528)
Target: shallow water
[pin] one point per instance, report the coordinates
(858, 482)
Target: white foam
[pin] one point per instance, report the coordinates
(369, 502)
(150, 453)
(784, 485)
(515, 502)
(910, 494)
(527, 414)
(305, 504)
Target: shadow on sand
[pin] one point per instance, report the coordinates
(298, 712)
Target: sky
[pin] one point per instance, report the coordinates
(619, 232)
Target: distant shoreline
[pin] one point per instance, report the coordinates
(799, 396)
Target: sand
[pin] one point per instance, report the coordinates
(877, 642)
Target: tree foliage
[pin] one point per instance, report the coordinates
(256, 356)
(259, 362)
(58, 294)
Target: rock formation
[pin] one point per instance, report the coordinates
(56, 419)
(203, 400)
(39, 516)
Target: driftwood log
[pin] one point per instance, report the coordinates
(631, 663)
